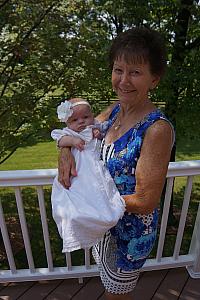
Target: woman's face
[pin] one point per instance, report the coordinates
(132, 82)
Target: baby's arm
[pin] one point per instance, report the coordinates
(71, 141)
(64, 140)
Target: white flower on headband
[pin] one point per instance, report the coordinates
(64, 111)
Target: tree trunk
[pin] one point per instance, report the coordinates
(177, 60)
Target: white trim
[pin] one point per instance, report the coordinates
(46, 176)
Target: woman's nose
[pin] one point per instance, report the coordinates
(124, 78)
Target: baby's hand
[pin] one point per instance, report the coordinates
(78, 143)
(96, 133)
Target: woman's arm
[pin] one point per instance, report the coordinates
(66, 167)
(151, 169)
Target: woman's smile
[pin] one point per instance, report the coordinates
(131, 81)
(126, 91)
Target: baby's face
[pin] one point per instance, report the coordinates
(81, 118)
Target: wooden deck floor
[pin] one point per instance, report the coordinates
(171, 284)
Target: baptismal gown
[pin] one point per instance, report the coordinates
(92, 205)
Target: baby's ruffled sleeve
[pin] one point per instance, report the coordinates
(102, 126)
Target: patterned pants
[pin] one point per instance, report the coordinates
(115, 280)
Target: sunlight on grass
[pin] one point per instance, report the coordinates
(40, 156)
(44, 155)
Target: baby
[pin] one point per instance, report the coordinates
(92, 205)
(78, 118)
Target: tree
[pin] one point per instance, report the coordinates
(45, 46)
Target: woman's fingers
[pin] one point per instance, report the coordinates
(66, 167)
(73, 167)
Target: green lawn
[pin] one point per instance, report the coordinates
(44, 156)
(188, 149)
(40, 156)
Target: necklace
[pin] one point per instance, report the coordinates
(118, 125)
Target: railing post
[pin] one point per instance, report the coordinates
(194, 250)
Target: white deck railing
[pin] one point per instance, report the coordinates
(41, 178)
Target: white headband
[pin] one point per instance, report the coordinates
(65, 109)
(80, 102)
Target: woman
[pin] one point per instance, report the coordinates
(136, 151)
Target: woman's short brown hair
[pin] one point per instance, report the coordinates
(140, 45)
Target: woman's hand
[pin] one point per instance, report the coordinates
(66, 167)
(96, 133)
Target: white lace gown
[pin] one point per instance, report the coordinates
(92, 205)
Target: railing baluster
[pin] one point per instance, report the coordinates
(87, 258)
(24, 228)
(183, 217)
(68, 261)
(194, 250)
(165, 214)
(6, 241)
(43, 216)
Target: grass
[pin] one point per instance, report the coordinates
(188, 149)
(44, 156)
(40, 156)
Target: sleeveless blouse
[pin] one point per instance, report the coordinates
(134, 234)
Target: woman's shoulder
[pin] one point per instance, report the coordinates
(161, 129)
(160, 125)
(157, 125)
(157, 119)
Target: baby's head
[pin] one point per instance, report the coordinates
(76, 113)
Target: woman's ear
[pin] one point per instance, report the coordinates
(154, 82)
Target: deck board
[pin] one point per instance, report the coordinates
(148, 284)
(40, 290)
(173, 284)
(93, 288)
(191, 290)
(14, 290)
(67, 289)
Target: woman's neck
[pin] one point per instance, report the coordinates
(141, 109)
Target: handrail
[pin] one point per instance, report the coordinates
(183, 168)
(45, 176)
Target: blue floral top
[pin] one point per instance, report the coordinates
(135, 234)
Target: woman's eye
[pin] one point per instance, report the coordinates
(135, 72)
(118, 71)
